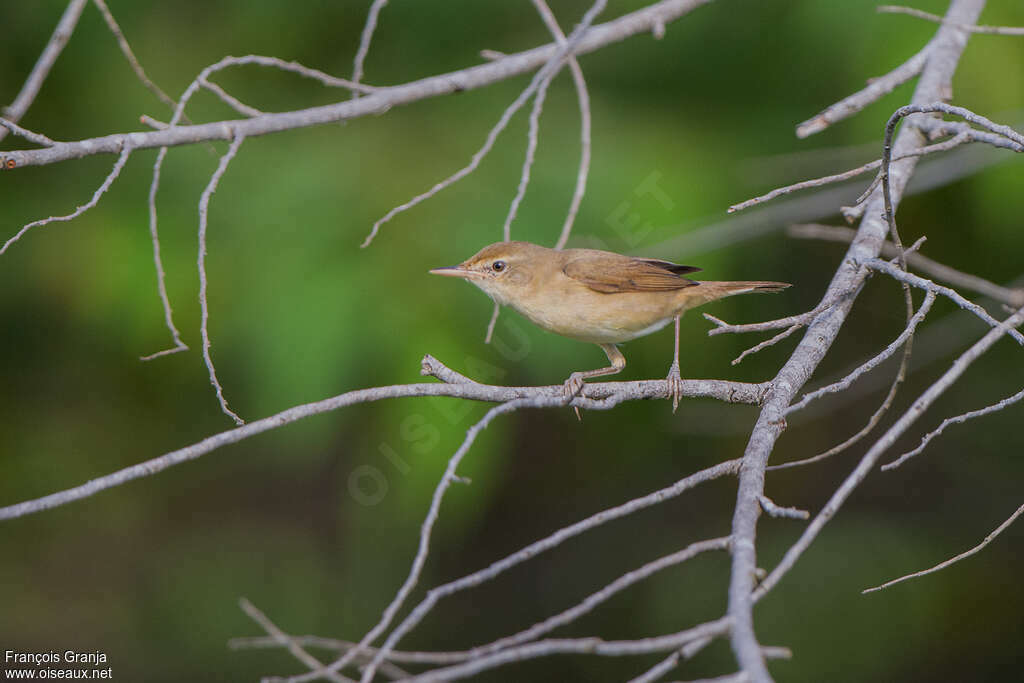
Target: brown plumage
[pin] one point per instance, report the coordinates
(594, 296)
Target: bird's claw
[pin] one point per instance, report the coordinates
(675, 386)
(572, 386)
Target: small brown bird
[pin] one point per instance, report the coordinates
(595, 296)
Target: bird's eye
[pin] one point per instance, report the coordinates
(499, 266)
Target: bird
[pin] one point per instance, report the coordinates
(595, 296)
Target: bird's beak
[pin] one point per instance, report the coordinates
(455, 271)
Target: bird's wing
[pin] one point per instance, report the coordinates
(609, 273)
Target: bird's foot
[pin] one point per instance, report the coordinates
(571, 389)
(572, 386)
(675, 385)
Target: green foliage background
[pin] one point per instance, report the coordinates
(150, 573)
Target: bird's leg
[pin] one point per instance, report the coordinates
(574, 384)
(675, 382)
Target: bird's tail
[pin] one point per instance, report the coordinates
(729, 288)
(710, 291)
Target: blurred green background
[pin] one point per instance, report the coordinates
(150, 573)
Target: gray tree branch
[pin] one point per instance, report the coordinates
(376, 102)
(936, 76)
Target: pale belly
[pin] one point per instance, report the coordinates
(604, 318)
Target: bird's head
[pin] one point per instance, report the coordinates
(503, 270)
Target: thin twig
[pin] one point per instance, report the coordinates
(688, 651)
(495, 569)
(204, 203)
(940, 271)
(532, 133)
(61, 34)
(287, 641)
(492, 323)
(161, 276)
(410, 657)
(958, 419)
(594, 599)
(923, 402)
(872, 363)
(785, 512)
(875, 90)
(126, 50)
(202, 80)
(364, 42)
(765, 344)
(545, 73)
(905, 337)
(100, 191)
(583, 97)
(928, 285)
(230, 100)
(426, 530)
(593, 646)
(379, 99)
(960, 139)
(37, 138)
(953, 560)
(991, 30)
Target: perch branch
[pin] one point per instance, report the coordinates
(594, 395)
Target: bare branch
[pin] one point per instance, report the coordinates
(287, 641)
(873, 363)
(161, 277)
(940, 271)
(230, 100)
(593, 600)
(204, 203)
(427, 528)
(37, 138)
(953, 560)
(531, 149)
(379, 99)
(540, 79)
(492, 323)
(65, 27)
(126, 49)
(876, 89)
(959, 419)
(928, 285)
(594, 646)
(687, 651)
(583, 97)
(991, 30)
(923, 402)
(497, 568)
(364, 41)
(961, 138)
(100, 191)
(343, 645)
(595, 395)
(765, 344)
(778, 511)
(943, 54)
